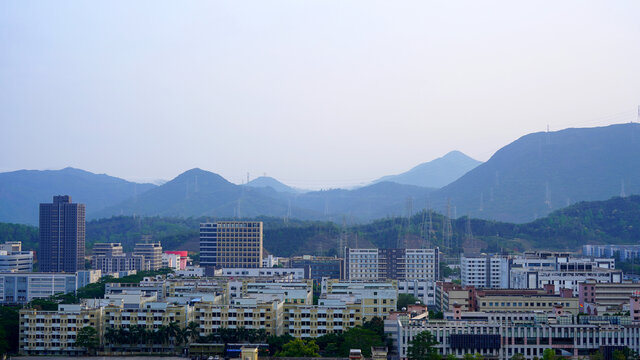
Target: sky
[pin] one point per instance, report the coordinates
(317, 94)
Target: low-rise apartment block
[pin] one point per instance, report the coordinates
(377, 298)
(248, 313)
(55, 332)
(310, 321)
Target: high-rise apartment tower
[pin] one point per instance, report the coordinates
(62, 231)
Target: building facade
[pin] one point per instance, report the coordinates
(20, 288)
(107, 249)
(62, 235)
(609, 295)
(318, 267)
(13, 259)
(152, 253)
(485, 271)
(231, 244)
(111, 264)
(55, 332)
(400, 264)
(502, 335)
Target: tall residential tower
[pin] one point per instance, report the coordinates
(62, 230)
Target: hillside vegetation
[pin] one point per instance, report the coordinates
(614, 221)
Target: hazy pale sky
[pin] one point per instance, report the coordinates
(315, 93)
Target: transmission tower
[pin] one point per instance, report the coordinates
(547, 195)
(430, 228)
(447, 230)
(342, 239)
(405, 239)
(622, 193)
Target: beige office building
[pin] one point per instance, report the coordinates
(231, 244)
(152, 252)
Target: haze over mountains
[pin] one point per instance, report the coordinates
(436, 173)
(524, 180)
(545, 171)
(22, 191)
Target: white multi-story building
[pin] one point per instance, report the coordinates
(21, 288)
(171, 261)
(190, 271)
(536, 279)
(502, 335)
(362, 264)
(485, 271)
(13, 259)
(421, 289)
(118, 263)
(281, 273)
(400, 264)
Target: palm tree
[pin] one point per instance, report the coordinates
(111, 336)
(193, 331)
(174, 332)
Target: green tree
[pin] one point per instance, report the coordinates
(407, 299)
(360, 338)
(549, 354)
(451, 357)
(422, 347)
(468, 356)
(276, 343)
(88, 338)
(9, 329)
(478, 356)
(518, 356)
(436, 315)
(191, 332)
(619, 355)
(596, 356)
(376, 324)
(299, 348)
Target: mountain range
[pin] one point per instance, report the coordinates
(525, 180)
(546, 171)
(21, 191)
(436, 173)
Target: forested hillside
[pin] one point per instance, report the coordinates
(615, 221)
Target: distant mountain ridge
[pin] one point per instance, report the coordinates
(525, 180)
(546, 171)
(197, 192)
(267, 181)
(21, 191)
(435, 173)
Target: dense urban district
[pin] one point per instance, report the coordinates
(231, 299)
